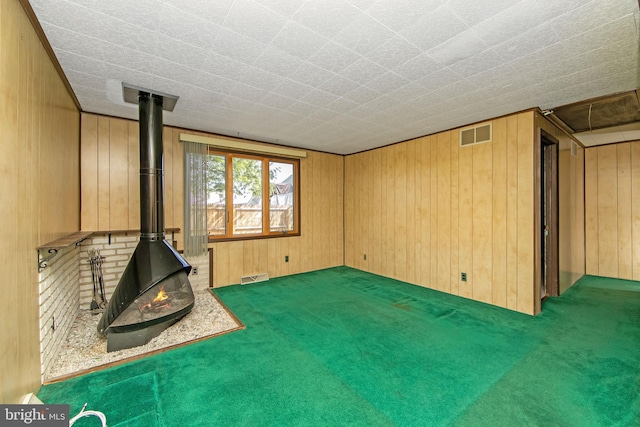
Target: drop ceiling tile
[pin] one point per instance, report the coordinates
(277, 101)
(310, 74)
(126, 75)
(388, 82)
(611, 33)
(418, 68)
(382, 103)
(553, 9)
(324, 114)
(130, 37)
(501, 79)
(455, 90)
(243, 106)
(233, 45)
(212, 100)
(173, 71)
(462, 46)
(541, 64)
(214, 83)
(214, 11)
(333, 57)
(180, 52)
(343, 105)
(224, 66)
(326, 17)
(277, 62)
(363, 111)
(439, 79)
(435, 28)
(362, 4)
(319, 98)
(262, 79)
(71, 41)
(362, 95)
(398, 15)
(141, 13)
(363, 35)
(299, 41)
(478, 63)
(80, 63)
(473, 13)
(395, 52)
(128, 58)
(188, 28)
(363, 71)
(338, 85)
(302, 108)
(254, 21)
(83, 79)
(582, 19)
(292, 89)
(407, 92)
(283, 7)
(171, 87)
(510, 23)
(70, 16)
(249, 93)
(535, 39)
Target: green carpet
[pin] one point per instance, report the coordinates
(344, 347)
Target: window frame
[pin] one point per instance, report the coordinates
(266, 217)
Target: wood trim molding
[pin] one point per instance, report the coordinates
(47, 47)
(243, 146)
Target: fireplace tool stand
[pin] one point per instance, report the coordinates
(99, 301)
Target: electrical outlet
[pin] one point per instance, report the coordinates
(286, 258)
(194, 271)
(463, 277)
(365, 257)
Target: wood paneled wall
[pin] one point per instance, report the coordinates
(571, 196)
(110, 201)
(39, 189)
(426, 210)
(612, 186)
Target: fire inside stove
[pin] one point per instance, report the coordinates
(156, 304)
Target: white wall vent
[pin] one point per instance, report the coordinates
(262, 277)
(574, 149)
(476, 134)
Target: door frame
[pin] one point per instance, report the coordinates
(547, 206)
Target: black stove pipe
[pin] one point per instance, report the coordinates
(151, 168)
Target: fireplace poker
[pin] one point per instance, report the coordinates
(94, 304)
(103, 296)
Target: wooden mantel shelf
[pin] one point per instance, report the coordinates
(76, 238)
(66, 241)
(52, 248)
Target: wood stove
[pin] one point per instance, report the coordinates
(154, 291)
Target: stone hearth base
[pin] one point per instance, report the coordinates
(85, 349)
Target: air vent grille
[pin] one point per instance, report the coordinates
(574, 149)
(476, 134)
(262, 277)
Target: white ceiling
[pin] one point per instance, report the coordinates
(342, 75)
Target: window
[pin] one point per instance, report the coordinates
(251, 196)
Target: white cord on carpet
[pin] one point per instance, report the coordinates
(84, 413)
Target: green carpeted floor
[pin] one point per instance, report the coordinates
(344, 347)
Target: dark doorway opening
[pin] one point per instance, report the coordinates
(549, 215)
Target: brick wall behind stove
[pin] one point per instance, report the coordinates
(58, 294)
(116, 253)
